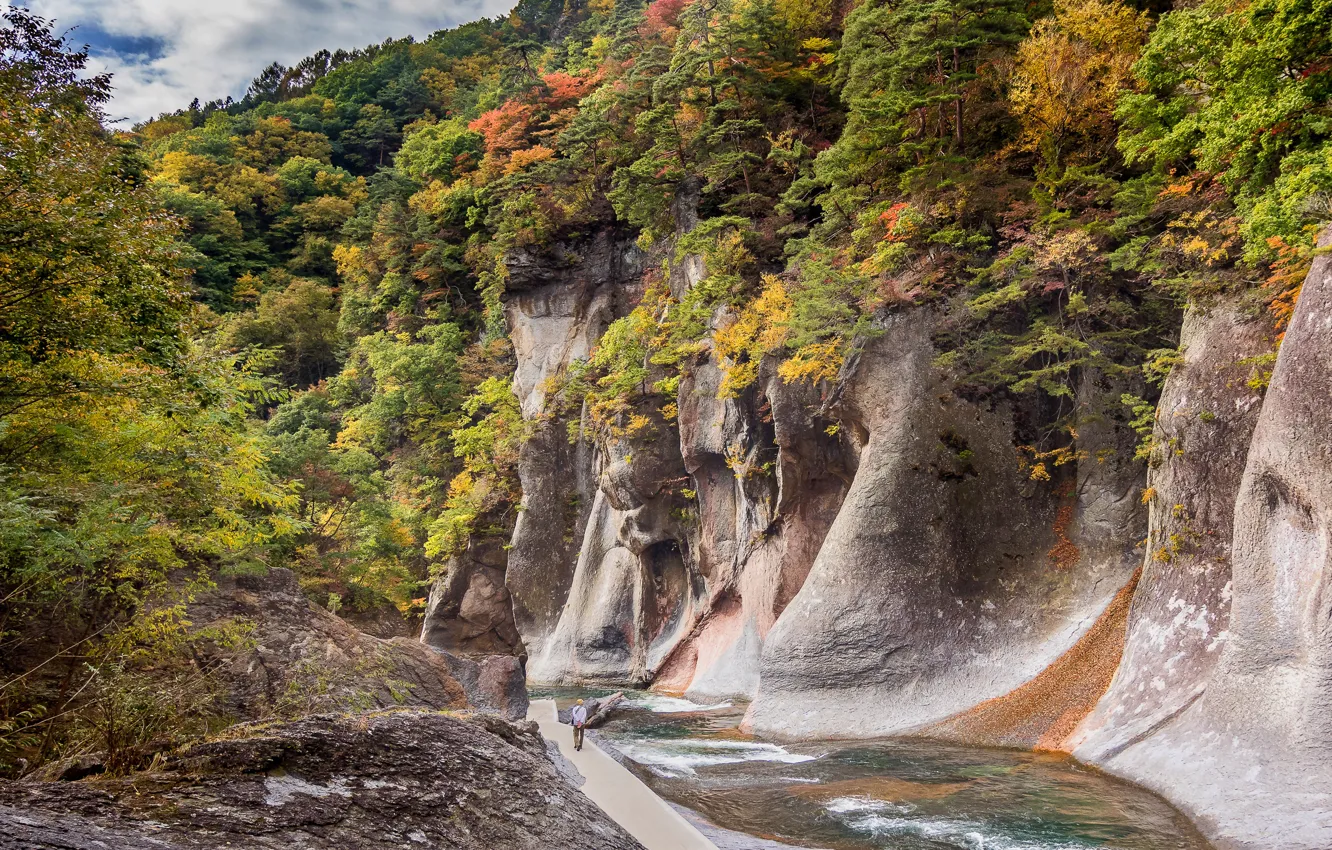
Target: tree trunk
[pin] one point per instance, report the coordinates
(957, 105)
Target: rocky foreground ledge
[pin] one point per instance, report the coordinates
(403, 778)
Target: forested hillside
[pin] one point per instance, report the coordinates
(271, 332)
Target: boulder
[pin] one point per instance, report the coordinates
(298, 657)
(469, 611)
(365, 782)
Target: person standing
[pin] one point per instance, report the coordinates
(579, 718)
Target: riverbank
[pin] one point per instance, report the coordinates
(910, 794)
(617, 792)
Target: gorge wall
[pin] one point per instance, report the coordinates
(876, 558)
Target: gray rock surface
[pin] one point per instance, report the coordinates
(469, 610)
(1249, 758)
(769, 480)
(557, 306)
(396, 779)
(948, 577)
(559, 485)
(1181, 609)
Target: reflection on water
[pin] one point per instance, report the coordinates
(897, 794)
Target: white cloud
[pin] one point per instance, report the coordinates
(164, 53)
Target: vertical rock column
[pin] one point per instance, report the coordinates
(769, 480)
(1181, 608)
(1251, 759)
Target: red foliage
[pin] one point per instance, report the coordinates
(567, 87)
(504, 129)
(662, 17)
(889, 219)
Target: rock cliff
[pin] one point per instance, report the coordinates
(1224, 698)
(948, 577)
(874, 556)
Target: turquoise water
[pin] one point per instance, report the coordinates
(902, 794)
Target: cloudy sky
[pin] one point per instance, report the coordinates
(164, 53)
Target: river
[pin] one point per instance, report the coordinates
(889, 794)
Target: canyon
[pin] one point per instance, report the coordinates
(879, 556)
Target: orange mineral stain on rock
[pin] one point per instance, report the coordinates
(677, 671)
(1043, 713)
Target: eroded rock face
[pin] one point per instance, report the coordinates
(397, 779)
(559, 488)
(769, 480)
(1181, 610)
(903, 572)
(949, 577)
(632, 591)
(699, 534)
(1248, 759)
(558, 305)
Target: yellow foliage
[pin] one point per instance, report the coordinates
(1032, 460)
(1069, 74)
(187, 169)
(818, 361)
(348, 260)
(1202, 239)
(637, 426)
(760, 329)
(803, 16)
(441, 86)
(167, 125)
(247, 288)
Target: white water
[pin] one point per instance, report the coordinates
(658, 704)
(882, 819)
(682, 756)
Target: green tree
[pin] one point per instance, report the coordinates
(300, 325)
(1242, 92)
(127, 469)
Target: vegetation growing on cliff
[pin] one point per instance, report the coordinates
(272, 331)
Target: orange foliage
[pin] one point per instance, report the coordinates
(523, 158)
(1286, 280)
(566, 87)
(891, 219)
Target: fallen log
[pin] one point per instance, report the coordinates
(600, 713)
(599, 709)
